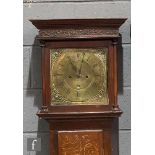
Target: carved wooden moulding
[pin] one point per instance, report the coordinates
(78, 29)
(73, 33)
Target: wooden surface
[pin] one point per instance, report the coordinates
(81, 137)
(47, 24)
(76, 29)
(111, 110)
(80, 129)
(81, 142)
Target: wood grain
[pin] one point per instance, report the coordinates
(80, 143)
(80, 129)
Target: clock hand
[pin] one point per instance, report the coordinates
(73, 66)
(81, 64)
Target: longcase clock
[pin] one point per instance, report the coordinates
(79, 83)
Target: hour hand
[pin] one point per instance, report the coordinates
(72, 65)
(81, 64)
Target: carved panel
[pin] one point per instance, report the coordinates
(72, 33)
(81, 143)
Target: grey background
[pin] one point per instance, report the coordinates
(56, 9)
(37, 144)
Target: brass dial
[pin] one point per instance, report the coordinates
(79, 76)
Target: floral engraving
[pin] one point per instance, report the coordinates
(80, 143)
(77, 33)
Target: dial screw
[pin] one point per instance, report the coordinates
(78, 86)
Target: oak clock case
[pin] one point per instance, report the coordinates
(79, 80)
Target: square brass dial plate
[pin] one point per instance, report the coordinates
(78, 76)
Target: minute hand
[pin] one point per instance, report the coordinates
(81, 64)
